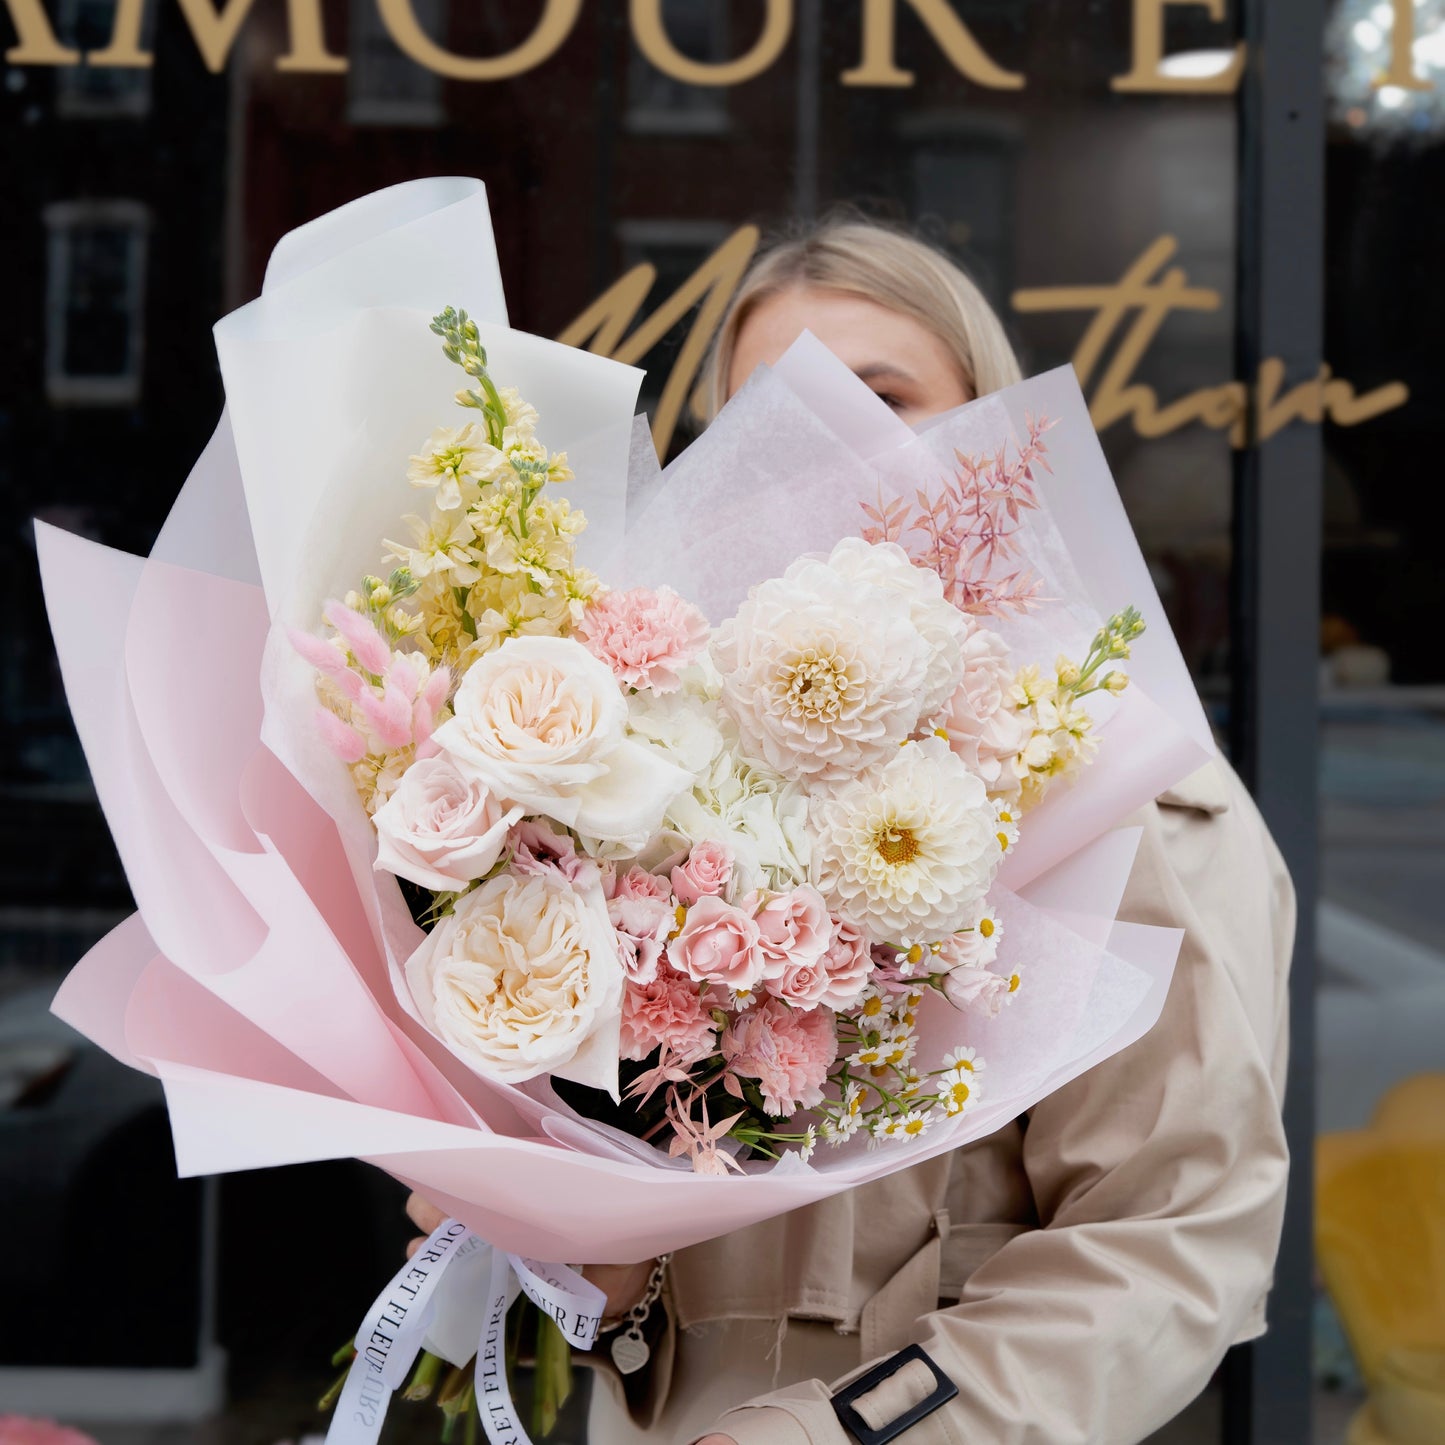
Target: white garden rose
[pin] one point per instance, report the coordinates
(543, 723)
(440, 829)
(909, 851)
(824, 675)
(523, 978)
(941, 625)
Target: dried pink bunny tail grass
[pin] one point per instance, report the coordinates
(367, 645)
(434, 694)
(340, 737)
(389, 715)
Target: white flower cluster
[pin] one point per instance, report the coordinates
(836, 676)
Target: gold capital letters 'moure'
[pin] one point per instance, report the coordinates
(1147, 74)
(879, 65)
(545, 40)
(1402, 51)
(36, 42)
(650, 31)
(215, 30)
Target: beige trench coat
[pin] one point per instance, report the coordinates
(1079, 1274)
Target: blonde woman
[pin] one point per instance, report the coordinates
(1077, 1276)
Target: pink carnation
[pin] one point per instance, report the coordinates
(666, 1012)
(706, 873)
(645, 637)
(789, 1053)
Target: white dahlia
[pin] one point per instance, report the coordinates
(823, 674)
(909, 851)
(941, 625)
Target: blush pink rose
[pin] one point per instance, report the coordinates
(794, 929)
(645, 637)
(667, 1012)
(705, 874)
(976, 991)
(439, 829)
(983, 729)
(639, 883)
(787, 1051)
(718, 944)
(643, 923)
(848, 965)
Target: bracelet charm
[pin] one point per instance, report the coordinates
(630, 1351)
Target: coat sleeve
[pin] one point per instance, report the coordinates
(1159, 1180)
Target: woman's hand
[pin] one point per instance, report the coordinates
(623, 1284)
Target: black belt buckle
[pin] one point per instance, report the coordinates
(853, 1422)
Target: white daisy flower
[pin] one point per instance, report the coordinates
(963, 1058)
(810, 1143)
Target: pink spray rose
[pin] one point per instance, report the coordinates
(718, 944)
(787, 1051)
(645, 637)
(976, 991)
(983, 729)
(706, 873)
(639, 883)
(440, 829)
(848, 963)
(794, 929)
(666, 1012)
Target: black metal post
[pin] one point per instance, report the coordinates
(1278, 534)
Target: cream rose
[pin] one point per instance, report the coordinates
(543, 724)
(439, 829)
(523, 978)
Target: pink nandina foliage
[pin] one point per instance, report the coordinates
(968, 532)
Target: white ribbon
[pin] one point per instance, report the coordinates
(415, 1311)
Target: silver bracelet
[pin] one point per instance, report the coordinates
(630, 1351)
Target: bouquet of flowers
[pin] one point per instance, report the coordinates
(616, 880)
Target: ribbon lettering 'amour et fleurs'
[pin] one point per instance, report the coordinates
(410, 1309)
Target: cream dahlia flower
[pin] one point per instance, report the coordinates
(909, 851)
(941, 625)
(824, 674)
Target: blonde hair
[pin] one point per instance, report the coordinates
(882, 264)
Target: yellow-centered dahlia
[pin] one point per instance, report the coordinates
(908, 851)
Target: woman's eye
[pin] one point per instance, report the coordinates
(889, 400)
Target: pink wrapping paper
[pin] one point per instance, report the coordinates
(259, 977)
